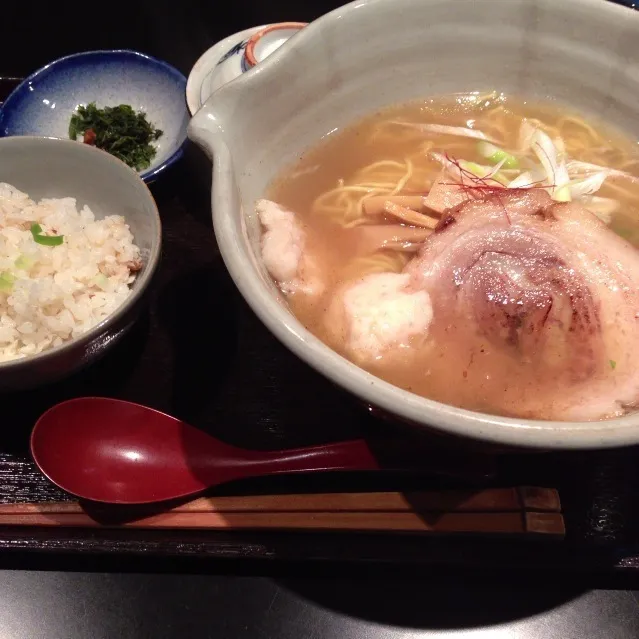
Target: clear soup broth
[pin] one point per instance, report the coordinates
(339, 193)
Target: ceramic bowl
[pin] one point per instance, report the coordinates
(373, 53)
(43, 103)
(45, 167)
(233, 56)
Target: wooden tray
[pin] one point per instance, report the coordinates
(233, 379)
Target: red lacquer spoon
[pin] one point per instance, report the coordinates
(109, 450)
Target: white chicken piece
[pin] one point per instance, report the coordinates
(378, 314)
(285, 250)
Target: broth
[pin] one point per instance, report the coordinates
(327, 189)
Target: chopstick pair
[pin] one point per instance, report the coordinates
(522, 510)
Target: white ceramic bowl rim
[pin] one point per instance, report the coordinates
(433, 415)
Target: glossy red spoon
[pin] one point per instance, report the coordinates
(108, 450)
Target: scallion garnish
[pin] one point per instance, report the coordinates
(23, 263)
(45, 240)
(6, 281)
(495, 155)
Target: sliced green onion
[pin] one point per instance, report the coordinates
(484, 172)
(495, 155)
(45, 240)
(562, 194)
(476, 169)
(613, 364)
(443, 129)
(586, 168)
(24, 263)
(101, 280)
(588, 185)
(6, 281)
(556, 173)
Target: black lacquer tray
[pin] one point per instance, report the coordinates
(198, 352)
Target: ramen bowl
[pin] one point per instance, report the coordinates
(371, 54)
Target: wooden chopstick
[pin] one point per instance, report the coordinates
(488, 500)
(526, 510)
(536, 523)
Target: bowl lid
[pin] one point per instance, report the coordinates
(268, 40)
(233, 56)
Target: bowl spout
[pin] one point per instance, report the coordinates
(204, 130)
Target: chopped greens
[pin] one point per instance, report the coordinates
(495, 155)
(538, 162)
(45, 240)
(101, 281)
(119, 130)
(562, 194)
(484, 172)
(613, 364)
(6, 281)
(24, 263)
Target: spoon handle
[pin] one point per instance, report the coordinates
(350, 455)
(357, 455)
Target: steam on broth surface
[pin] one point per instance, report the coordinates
(476, 250)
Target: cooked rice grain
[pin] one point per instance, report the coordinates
(59, 292)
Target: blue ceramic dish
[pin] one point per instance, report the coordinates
(43, 103)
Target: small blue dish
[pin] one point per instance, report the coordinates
(42, 104)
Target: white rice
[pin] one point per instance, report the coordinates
(51, 294)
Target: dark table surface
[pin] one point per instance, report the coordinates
(106, 605)
(69, 597)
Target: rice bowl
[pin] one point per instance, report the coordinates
(78, 251)
(52, 292)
